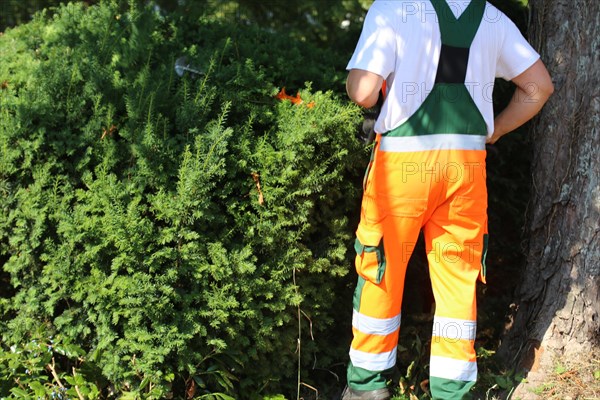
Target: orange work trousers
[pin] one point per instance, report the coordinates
(442, 192)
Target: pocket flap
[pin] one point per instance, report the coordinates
(367, 237)
(370, 261)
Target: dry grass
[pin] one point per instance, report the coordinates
(573, 381)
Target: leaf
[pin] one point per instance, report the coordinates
(144, 383)
(191, 389)
(411, 369)
(403, 386)
(199, 381)
(502, 381)
(170, 377)
(20, 393)
(216, 396)
(129, 396)
(70, 350)
(38, 389)
(70, 380)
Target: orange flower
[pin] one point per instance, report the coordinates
(282, 95)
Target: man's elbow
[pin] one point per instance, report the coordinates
(365, 100)
(546, 90)
(550, 89)
(546, 86)
(363, 87)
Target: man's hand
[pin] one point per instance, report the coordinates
(534, 87)
(363, 87)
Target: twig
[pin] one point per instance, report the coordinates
(77, 387)
(299, 348)
(50, 367)
(261, 198)
(311, 334)
(18, 382)
(310, 387)
(337, 378)
(310, 323)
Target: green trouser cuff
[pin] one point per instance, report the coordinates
(363, 379)
(449, 389)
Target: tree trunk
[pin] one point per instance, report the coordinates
(557, 300)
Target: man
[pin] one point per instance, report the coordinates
(436, 61)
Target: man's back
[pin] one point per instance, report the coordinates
(401, 41)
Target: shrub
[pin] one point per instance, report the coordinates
(168, 226)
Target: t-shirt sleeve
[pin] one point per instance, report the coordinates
(516, 54)
(376, 48)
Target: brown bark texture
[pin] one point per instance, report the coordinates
(557, 299)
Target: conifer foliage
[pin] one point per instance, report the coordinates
(158, 232)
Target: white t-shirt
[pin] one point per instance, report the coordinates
(401, 42)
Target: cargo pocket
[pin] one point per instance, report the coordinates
(483, 270)
(475, 210)
(370, 258)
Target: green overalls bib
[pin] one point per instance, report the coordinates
(449, 108)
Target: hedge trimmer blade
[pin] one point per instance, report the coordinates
(181, 66)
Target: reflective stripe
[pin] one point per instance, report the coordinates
(377, 343)
(449, 368)
(373, 362)
(458, 349)
(445, 141)
(375, 326)
(454, 328)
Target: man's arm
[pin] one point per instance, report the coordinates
(534, 87)
(363, 87)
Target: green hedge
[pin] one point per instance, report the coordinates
(158, 233)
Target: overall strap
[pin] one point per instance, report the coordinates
(459, 32)
(457, 37)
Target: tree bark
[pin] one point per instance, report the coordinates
(557, 300)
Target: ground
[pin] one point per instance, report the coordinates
(574, 380)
